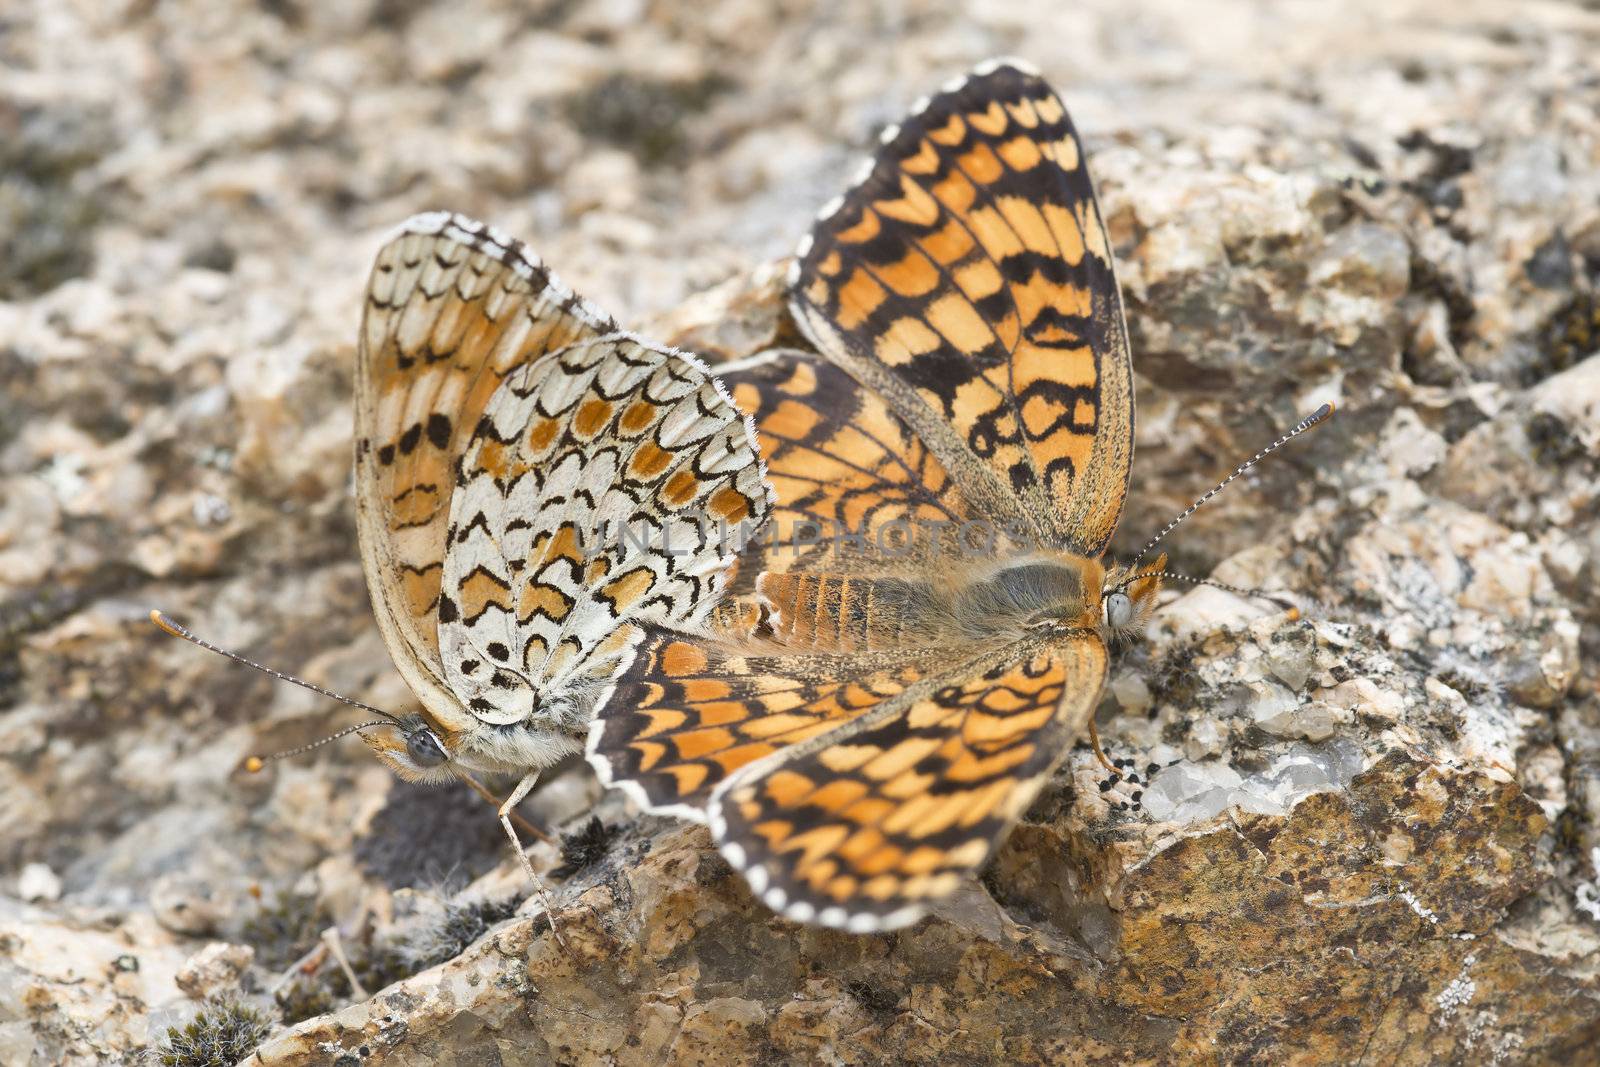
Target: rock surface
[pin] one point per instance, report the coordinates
(1369, 835)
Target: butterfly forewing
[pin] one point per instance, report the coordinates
(968, 278)
(451, 309)
(851, 479)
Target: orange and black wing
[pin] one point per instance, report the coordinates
(691, 711)
(864, 511)
(452, 308)
(861, 828)
(854, 487)
(850, 790)
(968, 280)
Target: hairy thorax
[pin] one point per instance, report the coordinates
(1024, 594)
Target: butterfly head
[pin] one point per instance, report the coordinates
(1129, 596)
(413, 747)
(1130, 590)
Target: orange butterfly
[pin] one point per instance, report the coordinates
(879, 702)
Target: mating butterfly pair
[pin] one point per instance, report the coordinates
(545, 504)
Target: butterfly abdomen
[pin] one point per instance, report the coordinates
(955, 606)
(850, 612)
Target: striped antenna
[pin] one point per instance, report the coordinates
(1257, 594)
(255, 763)
(1317, 417)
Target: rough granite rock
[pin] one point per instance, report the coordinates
(1369, 835)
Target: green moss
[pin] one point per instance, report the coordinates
(284, 930)
(306, 998)
(289, 928)
(325, 988)
(224, 1033)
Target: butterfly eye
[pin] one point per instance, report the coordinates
(425, 748)
(1119, 611)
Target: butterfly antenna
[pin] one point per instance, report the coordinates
(255, 763)
(1315, 418)
(1258, 594)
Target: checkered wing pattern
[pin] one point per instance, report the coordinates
(864, 721)
(690, 712)
(862, 826)
(969, 281)
(590, 499)
(452, 308)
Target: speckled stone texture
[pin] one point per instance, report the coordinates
(1370, 835)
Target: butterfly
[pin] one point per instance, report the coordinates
(503, 427)
(534, 488)
(864, 719)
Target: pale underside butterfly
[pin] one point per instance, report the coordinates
(534, 487)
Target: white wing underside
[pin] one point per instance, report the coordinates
(579, 512)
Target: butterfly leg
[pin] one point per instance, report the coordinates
(523, 788)
(1099, 753)
(335, 946)
(522, 824)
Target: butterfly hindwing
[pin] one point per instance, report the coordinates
(968, 278)
(849, 788)
(691, 711)
(592, 498)
(862, 826)
(452, 308)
